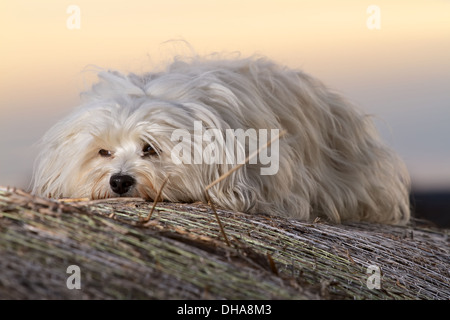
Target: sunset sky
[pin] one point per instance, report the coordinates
(400, 72)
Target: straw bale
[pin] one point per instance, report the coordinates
(180, 253)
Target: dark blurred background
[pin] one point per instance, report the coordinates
(433, 206)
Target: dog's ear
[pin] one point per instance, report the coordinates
(113, 84)
(230, 187)
(237, 191)
(56, 167)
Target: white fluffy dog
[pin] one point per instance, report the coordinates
(330, 164)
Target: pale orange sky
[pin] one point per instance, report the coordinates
(400, 72)
(121, 34)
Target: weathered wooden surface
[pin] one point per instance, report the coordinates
(181, 254)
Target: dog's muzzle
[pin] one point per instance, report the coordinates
(121, 184)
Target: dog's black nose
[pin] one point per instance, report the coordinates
(121, 183)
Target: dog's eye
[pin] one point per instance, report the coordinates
(104, 153)
(148, 150)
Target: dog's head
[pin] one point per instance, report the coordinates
(105, 150)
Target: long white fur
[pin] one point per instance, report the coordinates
(332, 162)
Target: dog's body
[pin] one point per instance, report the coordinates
(332, 163)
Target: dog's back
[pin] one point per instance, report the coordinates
(333, 163)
